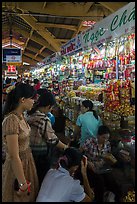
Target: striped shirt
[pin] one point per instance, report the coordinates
(92, 151)
(39, 136)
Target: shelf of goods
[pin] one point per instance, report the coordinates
(117, 104)
(130, 197)
(70, 104)
(115, 107)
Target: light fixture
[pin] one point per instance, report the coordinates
(25, 63)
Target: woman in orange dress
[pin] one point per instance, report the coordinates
(19, 176)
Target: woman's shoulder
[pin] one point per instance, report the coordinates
(88, 114)
(11, 116)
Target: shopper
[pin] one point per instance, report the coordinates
(100, 161)
(88, 122)
(59, 184)
(37, 84)
(49, 114)
(19, 80)
(4, 93)
(42, 136)
(19, 177)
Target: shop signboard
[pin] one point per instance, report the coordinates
(12, 55)
(112, 27)
(51, 59)
(72, 46)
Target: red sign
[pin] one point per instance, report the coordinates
(11, 68)
(88, 23)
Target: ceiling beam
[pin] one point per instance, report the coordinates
(30, 20)
(40, 51)
(40, 40)
(29, 60)
(26, 43)
(52, 25)
(44, 5)
(33, 56)
(6, 40)
(64, 9)
(78, 28)
(55, 8)
(62, 40)
(35, 50)
(36, 39)
(113, 6)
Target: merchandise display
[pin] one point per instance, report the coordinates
(117, 103)
(73, 64)
(130, 197)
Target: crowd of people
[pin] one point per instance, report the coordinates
(83, 173)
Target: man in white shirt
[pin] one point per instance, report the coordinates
(59, 184)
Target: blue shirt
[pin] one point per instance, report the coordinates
(59, 186)
(51, 117)
(89, 126)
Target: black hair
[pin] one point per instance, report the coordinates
(45, 99)
(36, 81)
(8, 80)
(27, 81)
(89, 104)
(42, 91)
(13, 97)
(74, 157)
(103, 130)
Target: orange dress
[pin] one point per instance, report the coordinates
(13, 124)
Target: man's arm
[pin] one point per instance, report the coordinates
(87, 187)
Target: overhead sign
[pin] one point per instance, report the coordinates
(13, 55)
(117, 24)
(72, 46)
(13, 58)
(11, 68)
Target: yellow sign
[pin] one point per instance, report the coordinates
(14, 63)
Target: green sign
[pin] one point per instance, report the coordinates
(113, 26)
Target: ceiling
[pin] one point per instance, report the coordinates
(41, 28)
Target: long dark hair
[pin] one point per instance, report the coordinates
(71, 157)
(13, 97)
(46, 98)
(89, 104)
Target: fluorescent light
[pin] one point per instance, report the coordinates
(25, 63)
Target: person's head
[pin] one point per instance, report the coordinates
(20, 96)
(36, 81)
(103, 134)
(27, 81)
(45, 102)
(8, 80)
(19, 79)
(41, 91)
(15, 80)
(71, 159)
(86, 106)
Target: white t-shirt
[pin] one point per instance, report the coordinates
(59, 186)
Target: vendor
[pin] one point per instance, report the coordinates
(100, 160)
(87, 123)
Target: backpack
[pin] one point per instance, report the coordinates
(49, 145)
